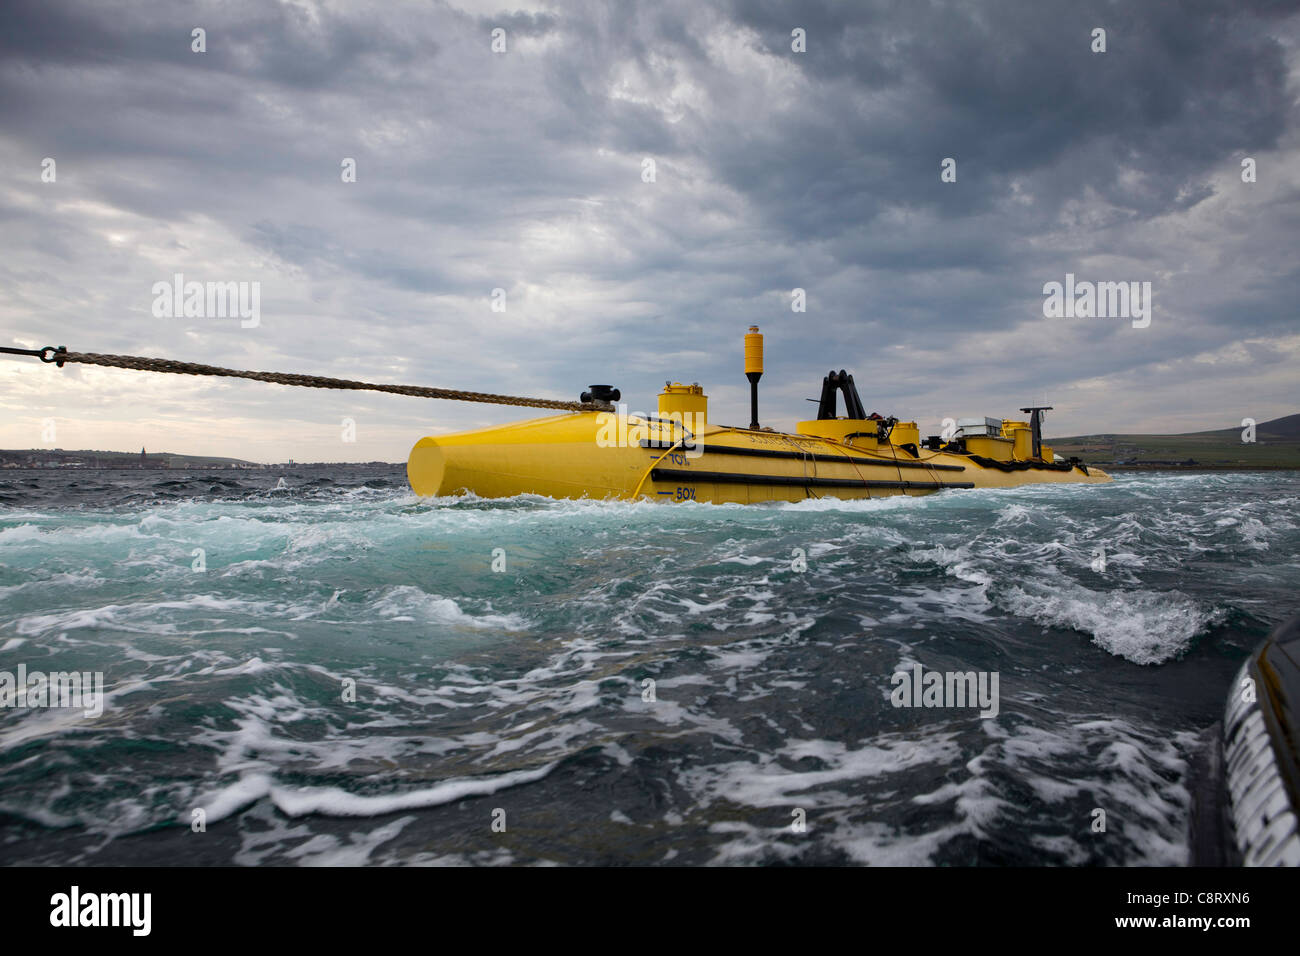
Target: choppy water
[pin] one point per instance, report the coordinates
(522, 691)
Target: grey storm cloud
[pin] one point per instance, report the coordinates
(775, 170)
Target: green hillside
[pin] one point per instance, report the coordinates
(1276, 445)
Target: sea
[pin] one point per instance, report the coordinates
(301, 667)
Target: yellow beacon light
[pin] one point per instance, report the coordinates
(754, 351)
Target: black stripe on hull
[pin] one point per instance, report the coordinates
(800, 456)
(731, 478)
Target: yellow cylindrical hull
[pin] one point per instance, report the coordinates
(603, 455)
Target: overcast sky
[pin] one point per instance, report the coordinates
(525, 171)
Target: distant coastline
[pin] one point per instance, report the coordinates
(1266, 446)
(38, 459)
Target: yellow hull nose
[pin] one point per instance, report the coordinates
(425, 467)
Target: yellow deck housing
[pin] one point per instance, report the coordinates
(990, 446)
(684, 403)
(905, 433)
(1022, 438)
(848, 431)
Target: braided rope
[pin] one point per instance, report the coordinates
(141, 363)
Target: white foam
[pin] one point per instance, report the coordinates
(1145, 627)
(409, 603)
(332, 801)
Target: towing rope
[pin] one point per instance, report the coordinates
(60, 355)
